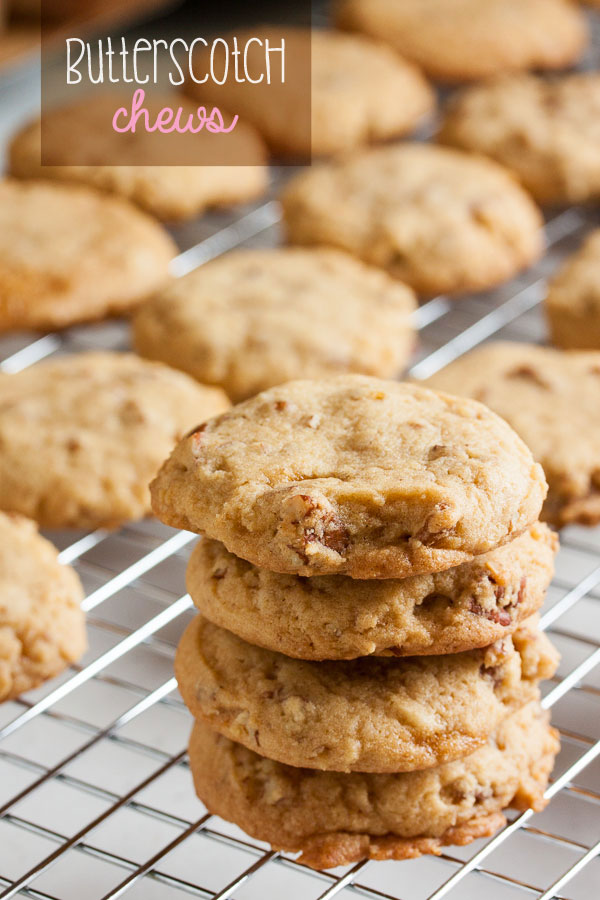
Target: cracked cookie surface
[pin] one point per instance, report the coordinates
(465, 40)
(364, 715)
(253, 319)
(336, 617)
(82, 435)
(551, 398)
(335, 818)
(352, 475)
(42, 627)
(573, 301)
(441, 220)
(70, 254)
(546, 131)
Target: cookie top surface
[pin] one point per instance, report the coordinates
(465, 40)
(170, 192)
(335, 617)
(253, 319)
(363, 715)
(361, 92)
(548, 396)
(573, 301)
(336, 819)
(547, 131)
(352, 475)
(42, 627)
(441, 220)
(82, 435)
(69, 254)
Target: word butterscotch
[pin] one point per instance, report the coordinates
(150, 61)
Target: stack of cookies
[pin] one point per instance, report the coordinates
(364, 672)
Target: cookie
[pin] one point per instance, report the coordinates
(70, 254)
(361, 92)
(546, 131)
(82, 436)
(335, 819)
(170, 192)
(362, 715)
(573, 301)
(42, 627)
(441, 220)
(352, 476)
(465, 40)
(336, 617)
(551, 398)
(253, 319)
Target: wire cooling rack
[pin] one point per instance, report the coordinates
(96, 798)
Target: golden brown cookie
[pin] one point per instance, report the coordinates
(253, 319)
(336, 617)
(441, 220)
(361, 92)
(546, 131)
(551, 398)
(69, 254)
(352, 475)
(170, 192)
(335, 819)
(465, 40)
(82, 435)
(364, 715)
(42, 627)
(573, 301)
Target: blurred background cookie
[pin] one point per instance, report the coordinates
(361, 92)
(441, 220)
(70, 254)
(573, 301)
(42, 627)
(464, 40)
(170, 192)
(551, 398)
(256, 318)
(547, 131)
(105, 422)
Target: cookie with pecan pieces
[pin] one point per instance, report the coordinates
(361, 715)
(353, 475)
(335, 819)
(336, 617)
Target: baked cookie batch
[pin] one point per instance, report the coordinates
(367, 591)
(364, 667)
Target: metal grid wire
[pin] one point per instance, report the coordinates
(96, 799)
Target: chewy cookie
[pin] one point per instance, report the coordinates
(335, 819)
(464, 40)
(69, 254)
(361, 92)
(573, 301)
(170, 192)
(441, 220)
(253, 319)
(364, 715)
(42, 627)
(335, 617)
(352, 475)
(549, 397)
(82, 435)
(546, 131)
